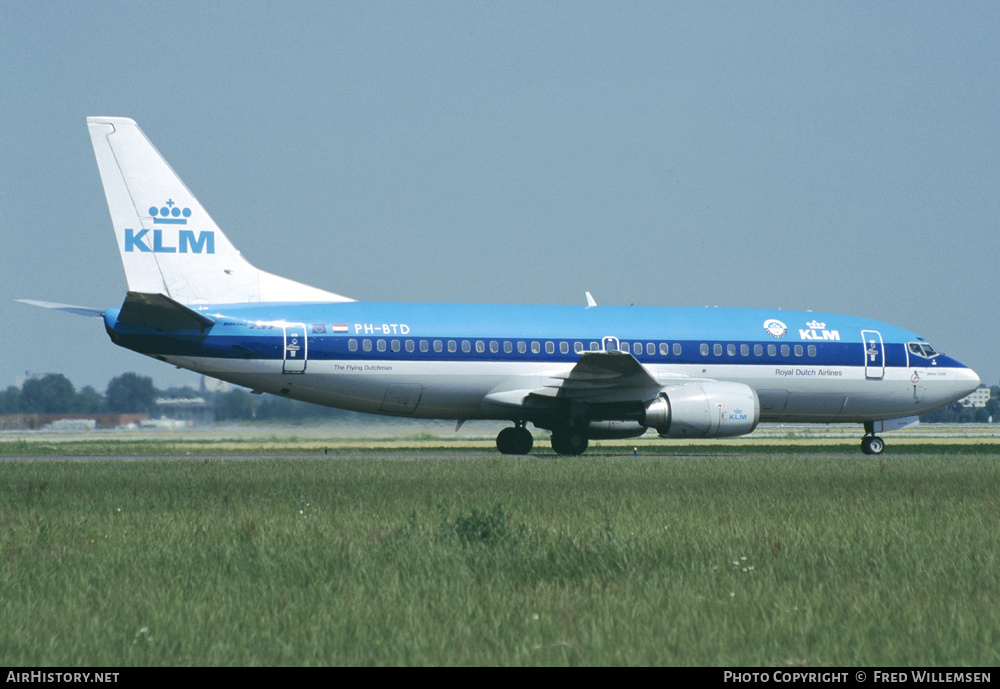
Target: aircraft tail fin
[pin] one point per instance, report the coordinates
(169, 245)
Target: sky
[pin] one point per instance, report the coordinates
(840, 157)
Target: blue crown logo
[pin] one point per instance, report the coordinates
(170, 214)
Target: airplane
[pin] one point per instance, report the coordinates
(581, 372)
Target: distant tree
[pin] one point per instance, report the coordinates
(182, 393)
(51, 394)
(131, 393)
(10, 400)
(234, 405)
(89, 401)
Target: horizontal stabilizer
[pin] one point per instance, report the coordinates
(78, 310)
(161, 312)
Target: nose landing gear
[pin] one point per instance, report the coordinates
(871, 444)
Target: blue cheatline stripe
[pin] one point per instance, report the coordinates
(336, 348)
(254, 331)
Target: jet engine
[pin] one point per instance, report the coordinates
(704, 410)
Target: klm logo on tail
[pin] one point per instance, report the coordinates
(185, 241)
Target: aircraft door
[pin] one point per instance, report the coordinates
(296, 348)
(610, 344)
(874, 354)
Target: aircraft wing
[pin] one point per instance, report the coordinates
(602, 377)
(597, 377)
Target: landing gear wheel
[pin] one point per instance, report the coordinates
(569, 442)
(515, 441)
(872, 445)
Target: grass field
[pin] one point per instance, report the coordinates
(725, 556)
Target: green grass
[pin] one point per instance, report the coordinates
(759, 559)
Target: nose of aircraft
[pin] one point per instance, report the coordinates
(971, 378)
(958, 382)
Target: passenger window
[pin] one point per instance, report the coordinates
(784, 350)
(704, 349)
(521, 347)
(380, 344)
(535, 348)
(452, 346)
(423, 345)
(438, 345)
(811, 350)
(550, 348)
(394, 346)
(677, 348)
(772, 350)
(409, 345)
(717, 349)
(650, 348)
(595, 346)
(744, 350)
(466, 346)
(507, 347)
(798, 350)
(664, 349)
(494, 346)
(480, 346)
(578, 347)
(564, 347)
(366, 345)
(352, 345)
(731, 349)
(758, 350)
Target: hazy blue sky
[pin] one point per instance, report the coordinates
(831, 156)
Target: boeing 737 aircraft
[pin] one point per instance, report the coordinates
(583, 373)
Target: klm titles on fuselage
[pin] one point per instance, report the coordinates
(817, 331)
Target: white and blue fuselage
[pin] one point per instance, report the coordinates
(455, 361)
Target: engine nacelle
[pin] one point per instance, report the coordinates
(611, 430)
(704, 410)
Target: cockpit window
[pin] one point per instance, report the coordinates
(922, 349)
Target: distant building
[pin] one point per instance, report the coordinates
(979, 397)
(195, 411)
(67, 422)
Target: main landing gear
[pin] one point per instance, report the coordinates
(515, 441)
(568, 441)
(871, 444)
(518, 441)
